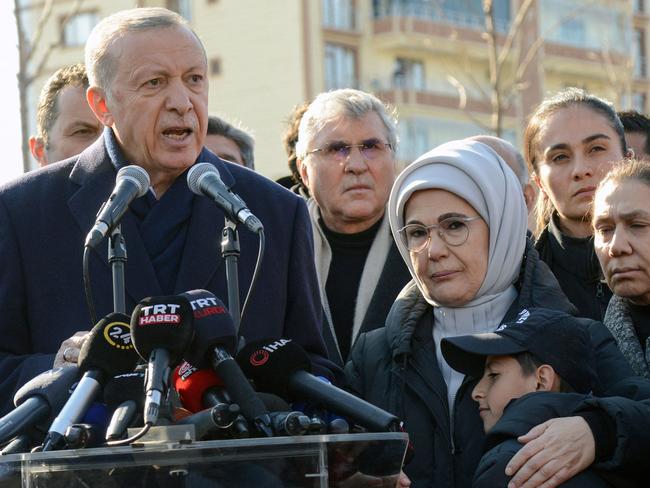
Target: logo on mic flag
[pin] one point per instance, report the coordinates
(207, 306)
(167, 314)
(118, 335)
(261, 356)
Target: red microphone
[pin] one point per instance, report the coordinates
(202, 392)
(198, 388)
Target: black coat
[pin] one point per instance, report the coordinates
(576, 267)
(523, 414)
(395, 368)
(45, 215)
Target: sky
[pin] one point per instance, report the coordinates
(10, 162)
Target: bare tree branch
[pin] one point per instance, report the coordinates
(539, 42)
(40, 27)
(514, 30)
(462, 103)
(48, 52)
(27, 51)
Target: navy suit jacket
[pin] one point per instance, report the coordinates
(45, 216)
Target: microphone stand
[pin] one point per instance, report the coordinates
(230, 253)
(117, 259)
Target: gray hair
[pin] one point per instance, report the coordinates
(244, 141)
(509, 154)
(522, 175)
(349, 103)
(100, 63)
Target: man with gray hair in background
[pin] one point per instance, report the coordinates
(515, 161)
(149, 88)
(346, 157)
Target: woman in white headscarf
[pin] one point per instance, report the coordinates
(459, 219)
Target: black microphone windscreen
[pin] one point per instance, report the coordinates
(163, 322)
(53, 386)
(270, 363)
(124, 387)
(108, 347)
(213, 327)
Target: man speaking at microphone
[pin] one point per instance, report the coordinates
(149, 88)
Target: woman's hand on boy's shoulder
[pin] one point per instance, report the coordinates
(553, 452)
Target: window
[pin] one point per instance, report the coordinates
(338, 14)
(181, 7)
(587, 25)
(638, 6)
(414, 139)
(639, 102)
(466, 13)
(77, 29)
(638, 50)
(572, 32)
(340, 67)
(409, 75)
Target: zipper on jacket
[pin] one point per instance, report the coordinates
(452, 421)
(599, 289)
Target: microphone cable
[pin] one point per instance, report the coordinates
(256, 273)
(87, 286)
(132, 439)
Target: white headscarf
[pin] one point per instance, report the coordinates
(474, 172)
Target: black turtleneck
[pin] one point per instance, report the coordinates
(576, 267)
(349, 253)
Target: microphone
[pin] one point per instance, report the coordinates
(200, 389)
(107, 351)
(220, 418)
(334, 423)
(203, 179)
(215, 338)
(284, 420)
(282, 367)
(37, 399)
(79, 436)
(124, 395)
(131, 182)
(162, 328)
(18, 445)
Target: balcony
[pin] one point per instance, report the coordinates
(426, 99)
(430, 26)
(435, 12)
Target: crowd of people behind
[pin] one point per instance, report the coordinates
(497, 301)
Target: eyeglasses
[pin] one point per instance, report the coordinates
(340, 151)
(453, 230)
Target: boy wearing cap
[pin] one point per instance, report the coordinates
(538, 367)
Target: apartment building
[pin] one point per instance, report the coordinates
(430, 58)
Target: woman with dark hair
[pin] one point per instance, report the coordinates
(621, 221)
(572, 140)
(459, 219)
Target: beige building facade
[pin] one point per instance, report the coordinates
(427, 57)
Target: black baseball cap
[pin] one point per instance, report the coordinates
(555, 338)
